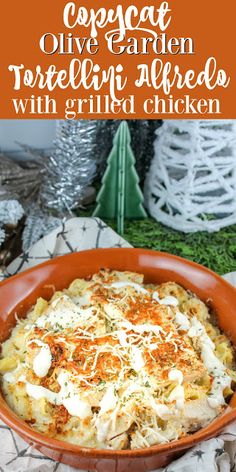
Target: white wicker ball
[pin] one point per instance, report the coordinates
(191, 184)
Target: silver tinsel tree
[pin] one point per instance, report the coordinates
(37, 225)
(71, 167)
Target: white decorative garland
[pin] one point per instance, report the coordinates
(191, 184)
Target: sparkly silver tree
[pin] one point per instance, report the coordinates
(71, 167)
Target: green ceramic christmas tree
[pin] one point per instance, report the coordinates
(120, 196)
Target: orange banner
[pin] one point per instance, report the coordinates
(148, 59)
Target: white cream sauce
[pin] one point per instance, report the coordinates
(163, 411)
(137, 287)
(177, 393)
(169, 300)
(43, 360)
(197, 330)
(214, 366)
(109, 400)
(221, 380)
(84, 299)
(68, 395)
(102, 429)
(10, 377)
(122, 338)
(176, 375)
(37, 392)
(137, 361)
(182, 321)
(64, 314)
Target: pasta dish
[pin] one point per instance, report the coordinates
(113, 363)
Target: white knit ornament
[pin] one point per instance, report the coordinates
(191, 184)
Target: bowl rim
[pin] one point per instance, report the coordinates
(40, 439)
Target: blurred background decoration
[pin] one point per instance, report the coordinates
(54, 168)
(50, 170)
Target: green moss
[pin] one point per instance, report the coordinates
(214, 250)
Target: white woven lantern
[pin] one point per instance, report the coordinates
(191, 184)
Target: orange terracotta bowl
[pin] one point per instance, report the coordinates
(20, 292)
